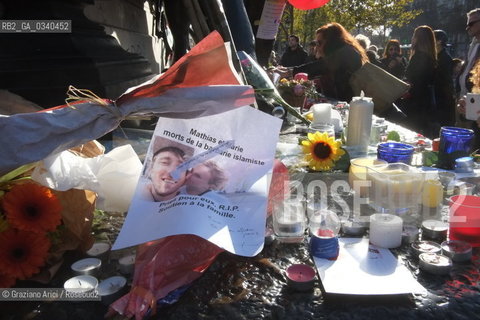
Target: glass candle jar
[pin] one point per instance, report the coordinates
(454, 143)
(395, 152)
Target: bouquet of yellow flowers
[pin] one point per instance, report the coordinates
(37, 225)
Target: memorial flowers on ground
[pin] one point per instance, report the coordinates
(32, 207)
(29, 213)
(321, 151)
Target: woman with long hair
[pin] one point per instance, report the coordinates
(393, 61)
(420, 74)
(338, 55)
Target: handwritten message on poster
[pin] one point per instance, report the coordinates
(270, 19)
(206, 176)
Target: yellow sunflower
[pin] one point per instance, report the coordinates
(321, 151)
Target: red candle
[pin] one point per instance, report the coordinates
(300, 277)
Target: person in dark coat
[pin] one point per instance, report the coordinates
(393, 61)
(339, 55)
(294, 55)
(420, 74)
(444, 90)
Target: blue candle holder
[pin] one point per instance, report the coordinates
(393, 152)
(454, 143)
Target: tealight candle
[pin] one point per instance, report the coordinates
(99, 250)
(457, 250)
(88, 266)
(434, 229)
(81, 284)
(111, 289)
(386, 230)
(322, 113)
(420, 247)
(126, 264)
(435, 263)
(300, 277)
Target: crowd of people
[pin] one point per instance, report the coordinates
(437, 82)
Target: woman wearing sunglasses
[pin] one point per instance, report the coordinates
(393, 61)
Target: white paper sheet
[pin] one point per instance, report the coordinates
(270, 19)
(366, 270)
(233, 217)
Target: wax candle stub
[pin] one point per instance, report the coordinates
(386, 230)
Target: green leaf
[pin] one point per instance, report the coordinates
(17, 172)
(343, 163)
(429, 158)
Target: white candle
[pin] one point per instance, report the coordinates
(87, 266)
(322, 113)
(81, 284)
(99, 250)
(126, 264)
(111, 289)
(359, 122)
(386, 230)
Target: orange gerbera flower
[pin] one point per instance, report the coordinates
(22, 253)
(6, 281)
(32, 207)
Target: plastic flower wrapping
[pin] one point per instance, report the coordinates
(37, 225)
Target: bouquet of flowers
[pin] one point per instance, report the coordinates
(259, 80)
(37, 225)
(297, 88)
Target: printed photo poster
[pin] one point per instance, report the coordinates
(206, 176)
